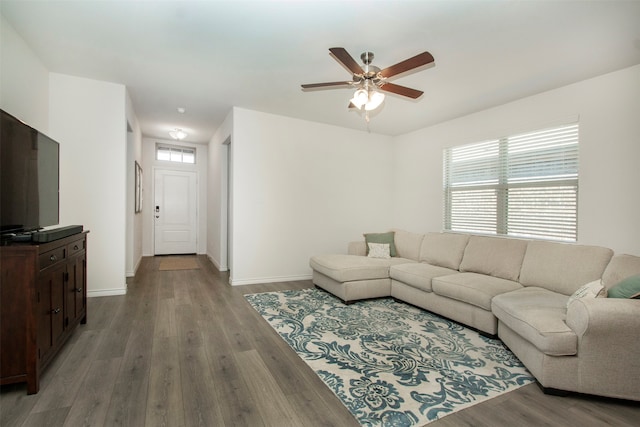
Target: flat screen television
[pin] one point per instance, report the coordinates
(29, 177)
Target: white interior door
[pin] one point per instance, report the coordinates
(175, 212)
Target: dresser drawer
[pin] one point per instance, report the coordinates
(76, 247)
(52, 257)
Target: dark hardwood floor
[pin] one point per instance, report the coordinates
(183, 348)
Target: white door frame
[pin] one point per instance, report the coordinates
(225, 206)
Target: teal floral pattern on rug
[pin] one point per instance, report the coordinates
(391, 364)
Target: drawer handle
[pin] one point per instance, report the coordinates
(56, 311)
(53, 258)
(78, 290)
(76, 247)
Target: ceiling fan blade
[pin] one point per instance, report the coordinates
(401, 90)
(342, 56)
(408, 64)
(328, 84)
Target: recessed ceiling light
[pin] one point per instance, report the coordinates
(181, 110)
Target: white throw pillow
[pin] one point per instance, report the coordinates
(379, 250)
(593, 289)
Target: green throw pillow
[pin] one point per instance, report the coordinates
(381, 238)
(627, 288)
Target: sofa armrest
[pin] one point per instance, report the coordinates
(605, 317)
(357, 248)
(608, 345)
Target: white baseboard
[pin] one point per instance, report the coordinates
(135, 269)
(255, 281)
(217, 264)
(107, 292)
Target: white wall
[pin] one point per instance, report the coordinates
(608, 109)
(301, 188)
(24, 80)
(217, 195)
(88, 118)
(149, 166)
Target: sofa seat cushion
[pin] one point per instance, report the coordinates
(418, 275)
(347, 268)
(538, 315)
(472, 288)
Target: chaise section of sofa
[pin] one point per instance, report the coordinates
(355, 276)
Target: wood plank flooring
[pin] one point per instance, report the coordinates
(183, 348)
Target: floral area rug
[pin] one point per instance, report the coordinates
(391, 364)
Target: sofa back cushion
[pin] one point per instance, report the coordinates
(443, 249)
(620, 267)
(358, 247)
(408, 244)
(563, 267)
(495, 256)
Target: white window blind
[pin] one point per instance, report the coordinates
(523, 186)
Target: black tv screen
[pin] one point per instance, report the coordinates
(29, 177)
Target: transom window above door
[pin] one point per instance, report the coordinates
(176, 154)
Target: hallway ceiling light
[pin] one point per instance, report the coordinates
(178, 134)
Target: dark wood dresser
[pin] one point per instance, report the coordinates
(43, 298)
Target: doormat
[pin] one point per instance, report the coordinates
(178, 263)
(391, 364)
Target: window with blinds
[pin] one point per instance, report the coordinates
(522, 186)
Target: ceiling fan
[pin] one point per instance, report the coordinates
(368, 79)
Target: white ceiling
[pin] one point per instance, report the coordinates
(208, 56)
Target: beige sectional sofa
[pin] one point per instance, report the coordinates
(516, 289)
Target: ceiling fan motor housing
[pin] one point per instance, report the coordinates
(367, 57)
(370, 71)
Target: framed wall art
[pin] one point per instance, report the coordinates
(138, 188)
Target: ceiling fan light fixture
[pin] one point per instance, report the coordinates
(375, 100)
(360, 98)
(178, 134)
(367, 98)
